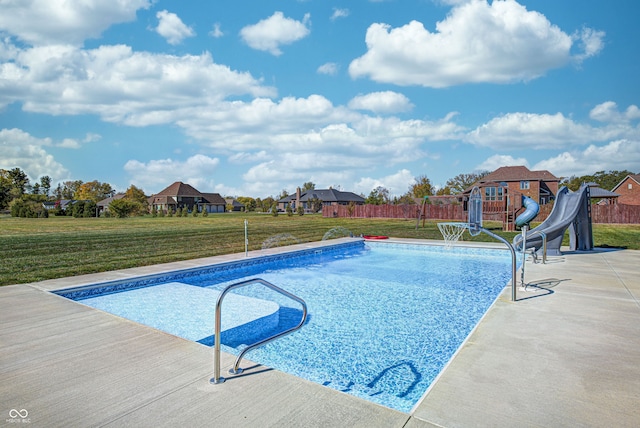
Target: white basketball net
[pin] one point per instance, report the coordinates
(451, 232)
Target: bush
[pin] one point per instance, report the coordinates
(27, 208)
(300, 210)
(289, 211)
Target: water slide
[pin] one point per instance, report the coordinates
(570, 211)
(531, 211)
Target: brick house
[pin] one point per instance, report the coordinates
(181, 195)
(629, 190)
(541, 186)
(503, 189)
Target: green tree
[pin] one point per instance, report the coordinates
(378, 196)
(5, 188)
(462, 182)
(307, 186)
(421, 188)
(446, 190)
(89, 209)
(604, 179)
(274, 210)
(289, 210)
(138, 197)
(19, 182)
(45, 185)
(123, 207)
(67, 190)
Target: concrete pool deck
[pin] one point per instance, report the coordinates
(566, 355)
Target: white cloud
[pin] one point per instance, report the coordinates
(270, 33)
(22, 150)
(119, 85)
(496, 161)
(381, 102)
(501, 42)
(330, 68)
(608, 112)
(50, 22)
(616, 155)
(530, 131)
(72, 143)
(216, 31)
(153, 174)
(397, 184)
(591, 42)
(339, 13)
(171, 27)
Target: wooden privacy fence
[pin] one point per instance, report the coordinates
(606, 214)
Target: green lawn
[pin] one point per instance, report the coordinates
(38, 249)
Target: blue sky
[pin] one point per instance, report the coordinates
(247, 98)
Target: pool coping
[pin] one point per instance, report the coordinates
(510, 375)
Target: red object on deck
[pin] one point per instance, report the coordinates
(375, 237)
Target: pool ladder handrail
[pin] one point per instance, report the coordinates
(531, 234)
(216, 352)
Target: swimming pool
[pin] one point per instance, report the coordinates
(384, 318)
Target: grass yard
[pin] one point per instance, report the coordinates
(39, 249)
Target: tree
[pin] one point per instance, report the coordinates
(5, 188)
(67, 189)
(19, 182)
(422, 187)
(138, 197)
(606, 180)
(45, 184)
(446, 190)
(93, 191)
(307, 186)
(283, 194)
(462, 182)
(378, 196)
(248, 202)
(123, 207)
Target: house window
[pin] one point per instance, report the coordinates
(629, 186)
(524, 185)
(493, 193)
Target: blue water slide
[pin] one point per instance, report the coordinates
(531, 211)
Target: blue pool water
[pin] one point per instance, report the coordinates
(384, 319)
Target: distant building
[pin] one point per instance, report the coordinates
(321, 197)
(541, 186)
(181, 195)
(103, 205)
(629, 190)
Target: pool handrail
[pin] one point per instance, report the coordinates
(218, 321)
(544, 243)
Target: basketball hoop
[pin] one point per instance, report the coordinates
(451, 232)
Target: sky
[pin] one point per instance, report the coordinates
(249, 98)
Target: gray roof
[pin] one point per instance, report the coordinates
(325, 195)
(599, 192)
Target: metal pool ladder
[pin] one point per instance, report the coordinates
(216, 352)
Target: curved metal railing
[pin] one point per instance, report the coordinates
(216, 352)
